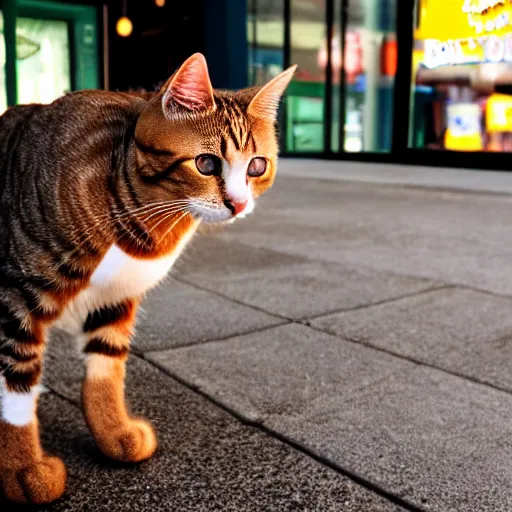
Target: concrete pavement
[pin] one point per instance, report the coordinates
(346, 348)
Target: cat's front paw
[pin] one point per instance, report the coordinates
(135, 441)
(41, 482)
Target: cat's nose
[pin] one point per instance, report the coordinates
(236, 207)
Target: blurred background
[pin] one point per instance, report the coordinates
(375, 82)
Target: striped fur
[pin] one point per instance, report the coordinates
(99, 194)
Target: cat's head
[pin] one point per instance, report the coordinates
(212, 152)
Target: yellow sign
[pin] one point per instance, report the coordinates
(498, 115)
(467, 51)
(463, 131)
(462, 19)
(465, 31)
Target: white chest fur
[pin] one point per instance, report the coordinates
(125, 276)
(119, 276)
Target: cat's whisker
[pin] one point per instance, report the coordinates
(183, 215)
(162, 205)
(170, 214)
(162, 209)
(160, 212)
(136, 211)
(167, 214)
(127, 212)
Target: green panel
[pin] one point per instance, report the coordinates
(305, 114)
(85, 35)
(303, 109)
(309, 89)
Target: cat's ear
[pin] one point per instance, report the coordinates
(266, 102)
(190, 87)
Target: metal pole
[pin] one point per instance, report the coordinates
(343, 77)
(287, 63)
(402, 96)
(329, 15)
(106, 74)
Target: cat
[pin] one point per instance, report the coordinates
(99, 194)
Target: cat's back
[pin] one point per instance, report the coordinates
(12, 124)
(74, 112)
(43, 135)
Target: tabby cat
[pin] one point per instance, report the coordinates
(99, 194)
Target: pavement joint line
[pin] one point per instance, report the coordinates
(235, 301)
(305, 320)
(363, 482)
(486, 292)
(390, 300)
(415, 361)
(215, 340)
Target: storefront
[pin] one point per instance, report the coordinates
(47, 49)
(456, 110)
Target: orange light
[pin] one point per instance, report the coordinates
(124, 26)
(389, 57)
(160, 3)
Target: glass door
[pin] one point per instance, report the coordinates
(350, 108)
(342, 97)
(363, 74)
(357, 93)
(305, 120)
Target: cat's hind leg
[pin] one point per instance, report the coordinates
(27, 474)
(119, 436)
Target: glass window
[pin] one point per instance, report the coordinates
(305, 100)
(265, 31)
(370, 69)
(462, 76)
(43, 60)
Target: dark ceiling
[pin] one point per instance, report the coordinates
(163, 37)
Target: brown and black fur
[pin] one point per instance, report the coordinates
(74, 178)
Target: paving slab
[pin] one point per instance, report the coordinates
(279, 359)
(176, 314)
(425, 435)
(438, 235)
(289, 286)
(463, 331)
(206, 459)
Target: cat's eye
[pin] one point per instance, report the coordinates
(257, 167)
(209, 165)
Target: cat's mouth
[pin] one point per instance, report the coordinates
(215, 213)
(211, 214)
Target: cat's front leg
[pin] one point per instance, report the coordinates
(118, 436)
(27, 474)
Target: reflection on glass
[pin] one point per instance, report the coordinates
(43, 60)
(370, 69)
(265, 33)
(462, 76)
(305, 110)
(369, 66)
